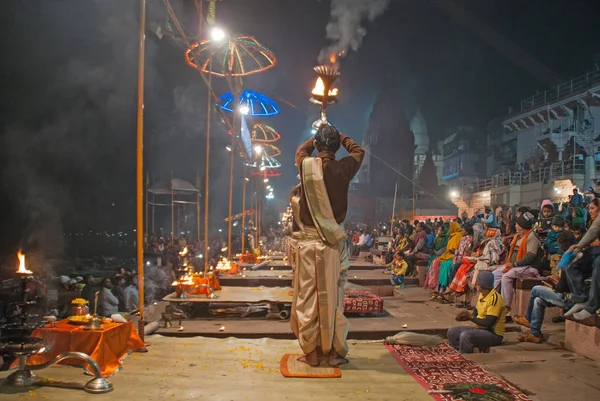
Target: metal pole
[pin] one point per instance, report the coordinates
(172, 215)
(146, 211)
(256, 216)
(413, 199)
(206, 177)
(231, 167)
(140, 166)
(259, 212)
(244, 212)
(153, 227)
(198, 215)
(394, 208)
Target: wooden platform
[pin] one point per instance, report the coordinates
(373, 280)
(284, 265)
(410, 310)
(239, 295)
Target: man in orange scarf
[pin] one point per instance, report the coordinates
(524, 259)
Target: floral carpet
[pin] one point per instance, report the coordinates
(448, 376)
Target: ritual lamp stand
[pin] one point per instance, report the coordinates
(322, 94)
(17, 343)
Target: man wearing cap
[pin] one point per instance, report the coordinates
(524, 259)
(489, 320)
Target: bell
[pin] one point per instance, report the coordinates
(94, 323)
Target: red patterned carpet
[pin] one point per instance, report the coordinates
(362, 301)
(448, 376)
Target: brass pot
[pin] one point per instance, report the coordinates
(79, 310)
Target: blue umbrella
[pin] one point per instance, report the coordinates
(251, 103)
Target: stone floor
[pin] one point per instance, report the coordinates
(543, 371)
(233, 369)
(248, 369)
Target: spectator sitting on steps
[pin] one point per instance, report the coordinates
(489, 319)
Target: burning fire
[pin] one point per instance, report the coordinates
(223, 265)
(333, 58)
(22, 269)
(184, 251)
(188, 279)
(319, 89)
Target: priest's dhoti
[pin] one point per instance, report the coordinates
(320, 275)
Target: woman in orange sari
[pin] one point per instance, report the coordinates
(432, 279)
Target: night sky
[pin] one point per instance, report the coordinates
(68, 93)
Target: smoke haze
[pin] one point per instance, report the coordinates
(345, 29)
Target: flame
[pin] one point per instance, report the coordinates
(187, 280)
(223, 265)
(334, 57)
(183, 252)
(319, 89)
(22, 269)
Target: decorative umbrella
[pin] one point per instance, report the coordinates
(264, 163)
(237, 57)
(268, 150)
(264, 133)
(269, 172)
(251, 103)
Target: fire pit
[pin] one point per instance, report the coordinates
(16, 343)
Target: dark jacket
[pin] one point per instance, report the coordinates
(337, 175)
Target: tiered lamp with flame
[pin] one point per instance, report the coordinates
(17, 343)
(323, 94)
(190, 283)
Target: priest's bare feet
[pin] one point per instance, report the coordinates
(312, 359)
(335, 359)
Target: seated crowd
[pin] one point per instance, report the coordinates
(118, 293)
(486, 255)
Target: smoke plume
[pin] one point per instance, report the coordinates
(345, 29)
(62, 162)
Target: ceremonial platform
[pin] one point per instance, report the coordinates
(276, 272)
(410, 309)
(256, 302)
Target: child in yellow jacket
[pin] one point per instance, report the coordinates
(399, 267)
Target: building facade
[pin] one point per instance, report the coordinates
(545, 147)
(463, 155)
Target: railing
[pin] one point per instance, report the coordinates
(577, 84)
(555, 171)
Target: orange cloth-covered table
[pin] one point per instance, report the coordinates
(108, 347)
